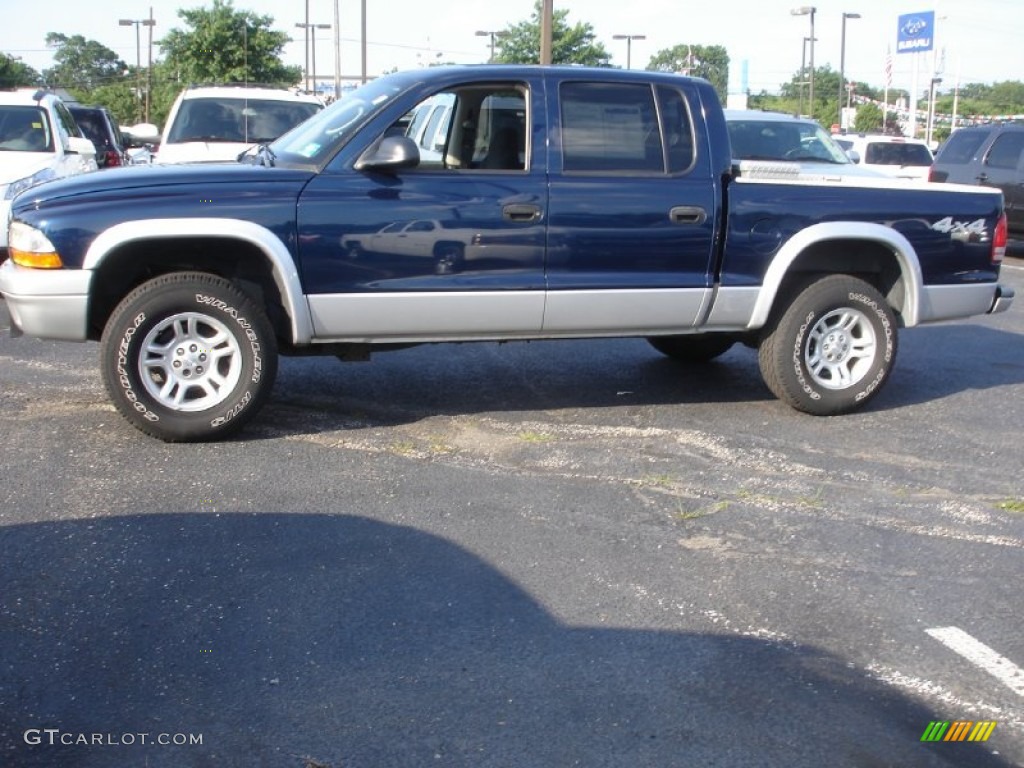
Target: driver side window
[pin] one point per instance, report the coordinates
(470, 128)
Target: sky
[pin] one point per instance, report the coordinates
(983, 39)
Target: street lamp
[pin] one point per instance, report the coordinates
(311, 35)
(842, 62)
(493, 35)
(808, 10)
(629, 45)
(138, 52)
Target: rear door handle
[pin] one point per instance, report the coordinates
(688, 214)
(521, 212)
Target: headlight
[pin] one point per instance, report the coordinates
(29, 247)
(29, 181)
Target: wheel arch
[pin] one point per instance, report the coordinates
(128, 254)
(876, 253)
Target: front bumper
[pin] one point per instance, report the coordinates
(47, 303)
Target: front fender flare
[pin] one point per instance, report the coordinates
(284, 269)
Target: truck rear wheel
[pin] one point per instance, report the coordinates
(187, 357)
(831, 347)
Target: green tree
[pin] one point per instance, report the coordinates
(228, 46)
(81, 65)
(14, 73)
(520, 43)
(708, 61)
(868, 120)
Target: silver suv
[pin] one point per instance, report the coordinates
(990, 156)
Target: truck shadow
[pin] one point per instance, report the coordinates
(284, 638)
(405, 386)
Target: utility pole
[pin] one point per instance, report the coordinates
(546, 23)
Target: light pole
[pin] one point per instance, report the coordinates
(138, 23)
(842, 62)
(931, 110)
(629, 45)
(803, 74)
(493, 35)
(808, 10)
(311, 35)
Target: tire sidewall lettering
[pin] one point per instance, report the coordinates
(123, 377)
(798, 354)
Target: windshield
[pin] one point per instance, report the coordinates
(755, 139)
(316, 138)
(25, 129)
(228, 119)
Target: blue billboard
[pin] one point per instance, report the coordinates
(916, 32)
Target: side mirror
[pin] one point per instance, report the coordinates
(854, 155)
(79, 146)
(140, 135)
(392, 153)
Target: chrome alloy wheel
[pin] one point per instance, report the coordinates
(190, 362)
(841, 348)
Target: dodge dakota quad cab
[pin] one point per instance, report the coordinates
(593, 203)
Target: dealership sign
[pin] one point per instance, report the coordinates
(916, 32)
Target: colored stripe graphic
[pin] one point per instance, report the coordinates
(935, 731)
(958, 730)
(982, 731)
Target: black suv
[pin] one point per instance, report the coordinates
(990, 155)
(100, 127)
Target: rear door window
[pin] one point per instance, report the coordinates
(610, 127)
(1006, 150)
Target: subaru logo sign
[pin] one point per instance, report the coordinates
(915, 32)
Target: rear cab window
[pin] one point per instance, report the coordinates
(897, 153)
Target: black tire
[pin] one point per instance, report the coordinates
(698, 348)
(210, 364)
(831, 347)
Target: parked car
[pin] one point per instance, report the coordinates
(895, 156)
(990, 156)
(39, 141)
(219, 123)
(102, 129)
(779, 145)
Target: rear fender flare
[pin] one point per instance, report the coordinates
(901, 248)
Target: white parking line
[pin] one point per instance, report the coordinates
(979, 654)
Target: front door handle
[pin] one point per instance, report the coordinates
(688, 214)
(521, 212)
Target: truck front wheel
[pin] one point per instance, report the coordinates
(187, 357)
(831, 347)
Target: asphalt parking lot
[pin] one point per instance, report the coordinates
(547, 554)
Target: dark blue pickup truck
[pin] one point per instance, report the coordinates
(491, 203)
